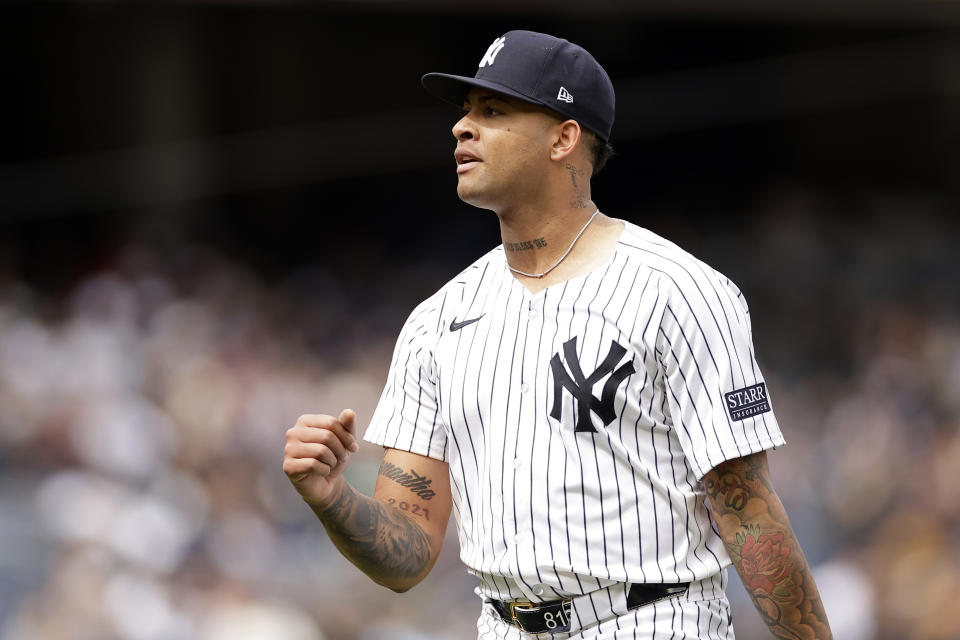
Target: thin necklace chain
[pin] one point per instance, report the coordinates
(560, 259)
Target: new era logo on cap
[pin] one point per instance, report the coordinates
(565, 95)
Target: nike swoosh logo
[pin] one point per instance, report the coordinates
(456, 326)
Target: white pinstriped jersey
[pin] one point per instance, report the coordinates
(578, 421)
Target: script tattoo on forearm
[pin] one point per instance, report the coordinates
(583, 200)
(525, 245)
(764, 549)
(409, 479)
(378, 538)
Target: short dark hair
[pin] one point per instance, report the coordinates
(600, 150)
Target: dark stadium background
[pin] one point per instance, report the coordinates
(277, 166)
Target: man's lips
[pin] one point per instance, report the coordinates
(465, 160)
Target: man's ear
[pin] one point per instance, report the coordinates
(566, 140)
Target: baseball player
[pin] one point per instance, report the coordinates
(585, 398)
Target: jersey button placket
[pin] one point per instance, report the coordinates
(519, 457)
(533, 309)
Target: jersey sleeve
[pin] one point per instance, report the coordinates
(717, 396)
(407, 415)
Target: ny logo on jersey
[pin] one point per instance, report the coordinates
(581, 387)
(492, 51)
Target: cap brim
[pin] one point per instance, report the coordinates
(454, 89)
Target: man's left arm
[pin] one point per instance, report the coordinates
(755, 528)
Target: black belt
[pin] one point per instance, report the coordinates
(554, 616)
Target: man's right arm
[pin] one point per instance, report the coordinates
(394, 537)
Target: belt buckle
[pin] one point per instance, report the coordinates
(524, 607)
(563, 625)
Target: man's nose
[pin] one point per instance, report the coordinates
(464, 129)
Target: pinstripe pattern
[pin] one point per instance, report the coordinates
(544, 511)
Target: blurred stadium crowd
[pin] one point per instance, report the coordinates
(142, 416)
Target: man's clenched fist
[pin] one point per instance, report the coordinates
(317, 451)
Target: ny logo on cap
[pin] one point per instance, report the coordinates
(565, 95)
(492, 51)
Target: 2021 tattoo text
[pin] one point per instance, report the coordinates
(412, 480)
(771, 563)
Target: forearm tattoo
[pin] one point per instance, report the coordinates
(383, 542)
(764, 549)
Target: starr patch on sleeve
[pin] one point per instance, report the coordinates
(747, 402)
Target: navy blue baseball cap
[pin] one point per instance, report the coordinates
(540, 69)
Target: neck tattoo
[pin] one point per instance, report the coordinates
(560, 259)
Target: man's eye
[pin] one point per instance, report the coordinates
(490, 111)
